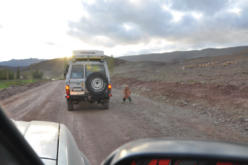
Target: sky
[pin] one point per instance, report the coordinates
(48, 29)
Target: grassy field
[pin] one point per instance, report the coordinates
(8, 83)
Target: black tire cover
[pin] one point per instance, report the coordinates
(91, 78)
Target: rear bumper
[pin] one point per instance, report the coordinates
(88, 97)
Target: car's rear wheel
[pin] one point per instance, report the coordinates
(69, 105)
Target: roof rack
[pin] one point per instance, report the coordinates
(88, 55)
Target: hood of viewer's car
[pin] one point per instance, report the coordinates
(43, 138)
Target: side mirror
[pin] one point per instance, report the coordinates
(178, 152)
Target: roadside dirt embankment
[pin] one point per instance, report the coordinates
(226, 103)
(10, 91)
(216, 86)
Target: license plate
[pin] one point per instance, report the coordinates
(77, 92)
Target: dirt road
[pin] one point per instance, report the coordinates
(98, 132)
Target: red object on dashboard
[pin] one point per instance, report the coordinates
(159, 162)
(225, 163)
(155, 162)
(164, 162)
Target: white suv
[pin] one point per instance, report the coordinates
(88, 79)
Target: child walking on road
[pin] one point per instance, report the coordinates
(127, 94)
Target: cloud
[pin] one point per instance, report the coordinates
(111, 19)
(50, 43)
(191, 23)
(209, 7)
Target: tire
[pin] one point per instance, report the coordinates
(69, 105)
(97, 84)
(106, 105)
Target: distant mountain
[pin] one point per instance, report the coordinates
(183, 55)
(21, 62)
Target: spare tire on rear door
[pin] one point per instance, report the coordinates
(97, 83)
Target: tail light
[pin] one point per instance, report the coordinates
(67, 90)
(109, 86)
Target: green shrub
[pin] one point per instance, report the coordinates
(6, 74)
(37, 74)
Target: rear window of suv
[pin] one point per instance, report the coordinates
(77, 72)
(91, 68)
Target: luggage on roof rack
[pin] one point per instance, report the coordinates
(88, 55)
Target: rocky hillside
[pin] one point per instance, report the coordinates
(50, 68)
(184, 55)
(216, 86)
